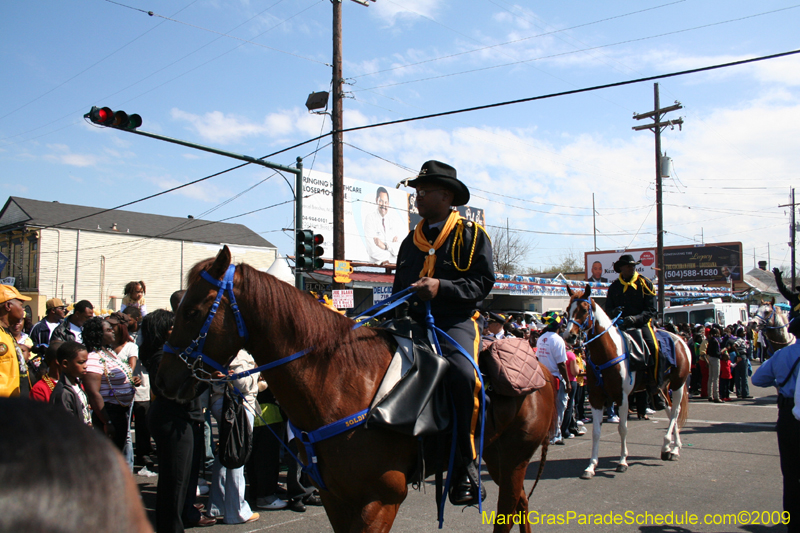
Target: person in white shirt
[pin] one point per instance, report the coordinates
(552, 353)
(384, 230)
(494, 327)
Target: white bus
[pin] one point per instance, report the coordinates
(724, 314)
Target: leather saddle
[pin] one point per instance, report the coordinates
(412, 398)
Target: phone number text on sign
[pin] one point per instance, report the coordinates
(681, 274)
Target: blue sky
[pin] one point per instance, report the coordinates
(236, 75)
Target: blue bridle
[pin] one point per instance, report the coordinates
(596, 369)
(195, 349)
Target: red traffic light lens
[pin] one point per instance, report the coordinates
(318, 239)
(101, 115)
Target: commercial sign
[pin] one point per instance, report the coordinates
(376, 218)
(704, 264)
(708, 263)
(343, 299)
(381, 293)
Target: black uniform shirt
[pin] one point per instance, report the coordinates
(460, 293)
(639, 303)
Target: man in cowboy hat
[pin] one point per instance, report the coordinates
(448, 262)
(633, 295)
(794, 301)
(11, 312)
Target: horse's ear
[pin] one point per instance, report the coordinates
(221, 263)
(773, 301)
(588, 291)
(569, 290)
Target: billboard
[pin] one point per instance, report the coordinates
(376, 218)
(707, 263)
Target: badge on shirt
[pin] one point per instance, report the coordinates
(3, 348)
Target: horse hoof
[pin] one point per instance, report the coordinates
(665, 456)
(622, 468)
(587, 475)
(674, 457)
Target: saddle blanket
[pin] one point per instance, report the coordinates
(666, 346)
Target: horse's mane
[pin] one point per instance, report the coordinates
(300, 318)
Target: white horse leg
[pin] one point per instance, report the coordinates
(623, 433)
(670, 450)
(597, 420)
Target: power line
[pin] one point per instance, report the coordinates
(449, 56)
(223, 34)
(628, 41)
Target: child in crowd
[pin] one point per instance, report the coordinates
(68, 392)
(134, 292)
(43, 388)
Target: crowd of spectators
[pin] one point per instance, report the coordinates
(97, 369)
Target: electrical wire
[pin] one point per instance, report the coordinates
(223, 34)
(551, 56)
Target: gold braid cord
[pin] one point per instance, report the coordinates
(458, 242)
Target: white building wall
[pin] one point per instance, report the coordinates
(107, 261)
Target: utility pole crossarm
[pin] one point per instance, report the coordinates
(661, 111)
(671, 123)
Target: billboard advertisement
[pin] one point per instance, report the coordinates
(376, 218)
(600, 265)
(707, 263)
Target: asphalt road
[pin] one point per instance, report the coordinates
(729, 464)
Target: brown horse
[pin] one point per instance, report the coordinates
(604, 346)
(366, 471)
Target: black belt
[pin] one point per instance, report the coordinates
(784, 402)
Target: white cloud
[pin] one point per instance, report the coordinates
(61, 153)
(220, 128)
(411, 10)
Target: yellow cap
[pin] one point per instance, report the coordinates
(7, 292)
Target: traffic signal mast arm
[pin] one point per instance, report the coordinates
(104, 116)
(124, 122)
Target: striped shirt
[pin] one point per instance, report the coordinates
(115, 386)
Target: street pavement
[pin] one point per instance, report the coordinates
(729, 465)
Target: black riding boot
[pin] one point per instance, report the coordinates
(465, 490)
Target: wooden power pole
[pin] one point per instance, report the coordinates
(792, 236)
(338, 149)
(659, 124)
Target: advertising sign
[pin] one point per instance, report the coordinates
(708, 263)
(343, 299)
(375, 217)
(381, 293)
(600, 265)
(721, 262)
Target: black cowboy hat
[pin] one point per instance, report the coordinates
(626, 259)
(444, 175)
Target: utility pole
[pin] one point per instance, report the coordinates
(792, 234)
(594, 223)
(656, 127)
(338, 148)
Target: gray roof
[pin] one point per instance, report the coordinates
(19, 212)
(762, 280)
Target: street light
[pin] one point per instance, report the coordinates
(317, 101)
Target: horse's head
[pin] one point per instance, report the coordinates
(219, 343)
(579, 315)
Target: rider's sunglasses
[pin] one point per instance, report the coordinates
(422, 192)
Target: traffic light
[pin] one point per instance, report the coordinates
(309, 251)
(104, 116)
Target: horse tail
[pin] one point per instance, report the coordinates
(684, 413)
(542, 461)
